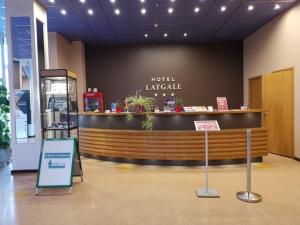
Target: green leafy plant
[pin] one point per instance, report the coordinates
(141, 104)
(4, 119)
(138, 103)
(178, 102)
(148, 122)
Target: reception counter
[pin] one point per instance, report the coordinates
(173, 137)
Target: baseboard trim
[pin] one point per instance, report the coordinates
(297, 159)
(23, 171)
(170, 162)
(290, 157)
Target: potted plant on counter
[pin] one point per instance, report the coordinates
(178, 105)
(141, 104)
(4, 128)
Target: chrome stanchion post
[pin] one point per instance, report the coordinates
(248, 196)
(206, 161)
(206, 193)
(248, 161)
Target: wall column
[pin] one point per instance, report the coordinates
(23, 73)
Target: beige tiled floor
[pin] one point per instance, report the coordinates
(118, 194)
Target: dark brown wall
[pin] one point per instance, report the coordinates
(204, 70)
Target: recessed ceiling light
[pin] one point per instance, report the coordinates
(223, 8)
(63, 11)
(146, 35)
(113, 1)
(117, 11)
(90, 11)
(170, 10)
(196, 9)
(165, 35)
(277, 6)
(82, 1)
(52, 1)
(250, 7)
(143, 11)
(156, 25)
(142, 1)
(172, 0)
(185, 34)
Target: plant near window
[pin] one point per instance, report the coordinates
(141, 104)
(4, 119)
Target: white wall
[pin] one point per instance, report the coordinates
(64, 54)
(52, 43)
(276, 46)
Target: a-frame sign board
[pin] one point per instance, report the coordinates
(59, 163)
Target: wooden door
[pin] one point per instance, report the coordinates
(278, 101)
(255, 93)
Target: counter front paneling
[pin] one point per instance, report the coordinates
(173, 136)
(172, 121)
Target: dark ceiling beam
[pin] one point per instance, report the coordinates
(206, 16)
(226, 20)
(85, 23)
(108, 21)
(131, 19)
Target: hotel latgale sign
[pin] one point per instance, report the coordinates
(163, 84)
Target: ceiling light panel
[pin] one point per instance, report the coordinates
(277, 6)
(90, 12)
(63, 12)
(223, 8)
(250, 7)
(117, 11)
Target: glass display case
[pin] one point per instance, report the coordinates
(59, 110)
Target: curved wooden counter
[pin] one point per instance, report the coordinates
(173, 136)
(171, 145)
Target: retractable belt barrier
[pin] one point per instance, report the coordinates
(248, 195)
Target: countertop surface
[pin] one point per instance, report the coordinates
(231, 111)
